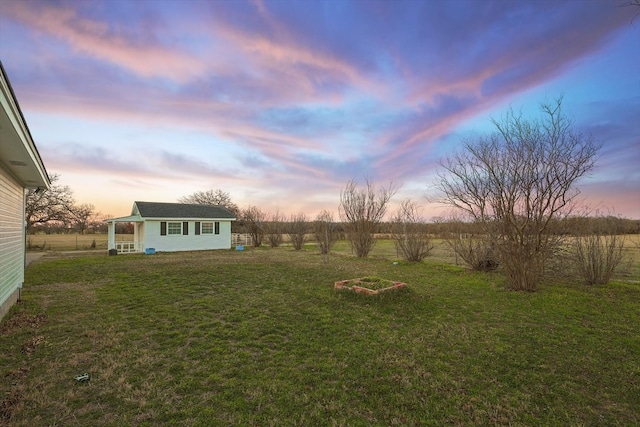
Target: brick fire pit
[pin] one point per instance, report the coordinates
(368, 285)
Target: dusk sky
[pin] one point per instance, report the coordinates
(280, 103)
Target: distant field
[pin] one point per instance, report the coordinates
(384, 249)
(70, 242)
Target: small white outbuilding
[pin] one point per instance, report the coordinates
(171, 227)
(21, 169)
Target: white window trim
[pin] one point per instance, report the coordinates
(206, 228)
(178, 228)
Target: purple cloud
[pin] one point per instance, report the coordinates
(307, 95)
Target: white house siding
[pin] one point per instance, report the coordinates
(190, 242)
(11, 240)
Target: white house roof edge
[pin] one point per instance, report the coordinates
(138, 218)
(130, 218)
(21, 130)
(146, 218)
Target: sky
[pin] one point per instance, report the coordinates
(281, 103)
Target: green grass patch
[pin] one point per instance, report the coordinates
(260, 337)
(375, 283)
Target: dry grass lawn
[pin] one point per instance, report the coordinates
(260, 337)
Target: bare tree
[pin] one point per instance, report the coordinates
(98, 223)
(362, 210)
(274, 228)
(52, 205)
(81, 216)
(325, 231)
(516, 182)
(216, 197)
(253, 219)
(297, 230)
(409, 232)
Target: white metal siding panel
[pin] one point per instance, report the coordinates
(11, 235)
(191, 242)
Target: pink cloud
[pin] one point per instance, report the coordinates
(273, 70)
(184, 112)
(112, 44)
(299, 96)
(283, 65)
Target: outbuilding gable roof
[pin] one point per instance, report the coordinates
(180, 210)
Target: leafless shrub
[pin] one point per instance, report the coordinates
(253, 219)
(516, 183)
(362, 210)
(466, 239)
(297, 230)
(409, 232)
(598, 250)
(597, 256)
(274, 228)
(325, 231)
(476, 251)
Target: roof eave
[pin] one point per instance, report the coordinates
(181, 218)
(19, 153)
(130, 218)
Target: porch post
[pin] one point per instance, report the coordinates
(136, 243)
(111, 227)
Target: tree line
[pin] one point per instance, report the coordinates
(56, 211)
(57, 218)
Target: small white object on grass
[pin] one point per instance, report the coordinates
(83, 377)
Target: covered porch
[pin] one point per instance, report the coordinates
(126, 245)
